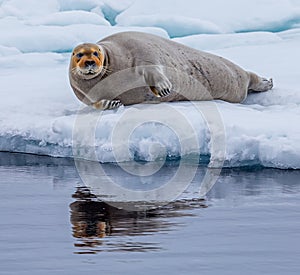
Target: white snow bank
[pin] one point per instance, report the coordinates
(175, 25)
(55, 25)
(39, 109)
(36, 8)
(38, 113)
(89, 5)
(216, 41)
(5, 51)
(85, 5)
(42, 38)
(69, 18)
(216, 15)
(25, 9)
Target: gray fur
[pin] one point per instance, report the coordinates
(143, 68)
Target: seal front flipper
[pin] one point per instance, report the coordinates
(159, 84)
(160, 92)
(105, 104)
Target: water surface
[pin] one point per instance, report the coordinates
(249, 223)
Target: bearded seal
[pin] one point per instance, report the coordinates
(134, 67)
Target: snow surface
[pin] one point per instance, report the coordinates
(39, 110)
(181, 18)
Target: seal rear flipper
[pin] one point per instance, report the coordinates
(259, 84)
(106, 104)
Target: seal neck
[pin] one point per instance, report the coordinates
(105, 69)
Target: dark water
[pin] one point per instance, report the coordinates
(249, 223)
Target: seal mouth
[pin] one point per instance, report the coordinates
(88, 73)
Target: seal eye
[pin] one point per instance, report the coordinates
(95, 54)
(79, 55)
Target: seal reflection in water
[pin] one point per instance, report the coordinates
(93, 220)
(133, 67)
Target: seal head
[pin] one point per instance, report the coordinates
(87, 61)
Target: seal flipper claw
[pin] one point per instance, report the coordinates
(106, 104)
(164, 92)
(158, 82)
(163, 87)
(160, 93)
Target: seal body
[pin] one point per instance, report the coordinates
(136, 67)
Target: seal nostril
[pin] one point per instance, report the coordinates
(89, 63)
